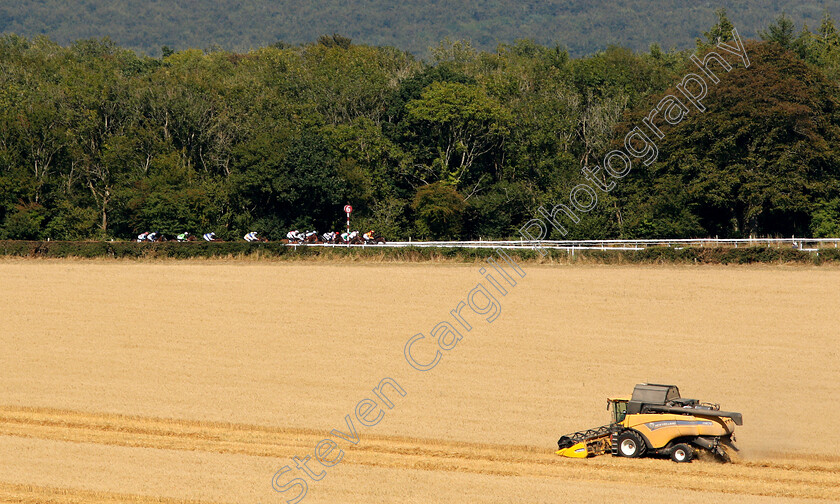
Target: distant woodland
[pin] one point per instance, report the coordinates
(581, 27)
(97, 141)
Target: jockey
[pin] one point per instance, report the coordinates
(293, 235)
(251, 237)
(210, 236)
(352, 235)
(328, 237)
(368, 236)
(310, 233)
(152, 236)
(345, 236)
(183, 236)
(142, 237)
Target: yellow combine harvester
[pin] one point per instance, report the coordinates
(657, 421)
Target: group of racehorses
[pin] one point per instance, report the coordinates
(293, 237)
(333, 238)
(188, 237)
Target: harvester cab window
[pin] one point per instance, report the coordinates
(619, 410)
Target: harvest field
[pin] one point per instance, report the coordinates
(158, 382)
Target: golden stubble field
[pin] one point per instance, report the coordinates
(173, 381)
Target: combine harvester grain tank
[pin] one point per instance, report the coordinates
(656, 421)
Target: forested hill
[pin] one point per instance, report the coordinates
(584, 27)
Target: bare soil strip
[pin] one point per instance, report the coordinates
(802, 477)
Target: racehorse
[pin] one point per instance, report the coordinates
(376, 240)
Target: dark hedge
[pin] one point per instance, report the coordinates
(175, 250)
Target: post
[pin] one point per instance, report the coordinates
(348, 210)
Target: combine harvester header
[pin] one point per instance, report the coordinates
(657, 421)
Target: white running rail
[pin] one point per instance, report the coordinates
(804, 244)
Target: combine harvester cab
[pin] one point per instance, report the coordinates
(657, 421)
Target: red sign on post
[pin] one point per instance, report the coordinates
(348, 209)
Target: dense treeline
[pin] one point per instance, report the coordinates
(584, 27)
(97, 141)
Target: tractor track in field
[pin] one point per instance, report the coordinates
(810, 478)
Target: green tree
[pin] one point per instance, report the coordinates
(827, 31)
(720, 31)
(825, 219)
(463, 124)
(71, 222)
(25, 223)
(282, 181)
(752, 164)
(335, 40)
(783, 33)
(439, 211)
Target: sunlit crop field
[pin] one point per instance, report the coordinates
(172, 381)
